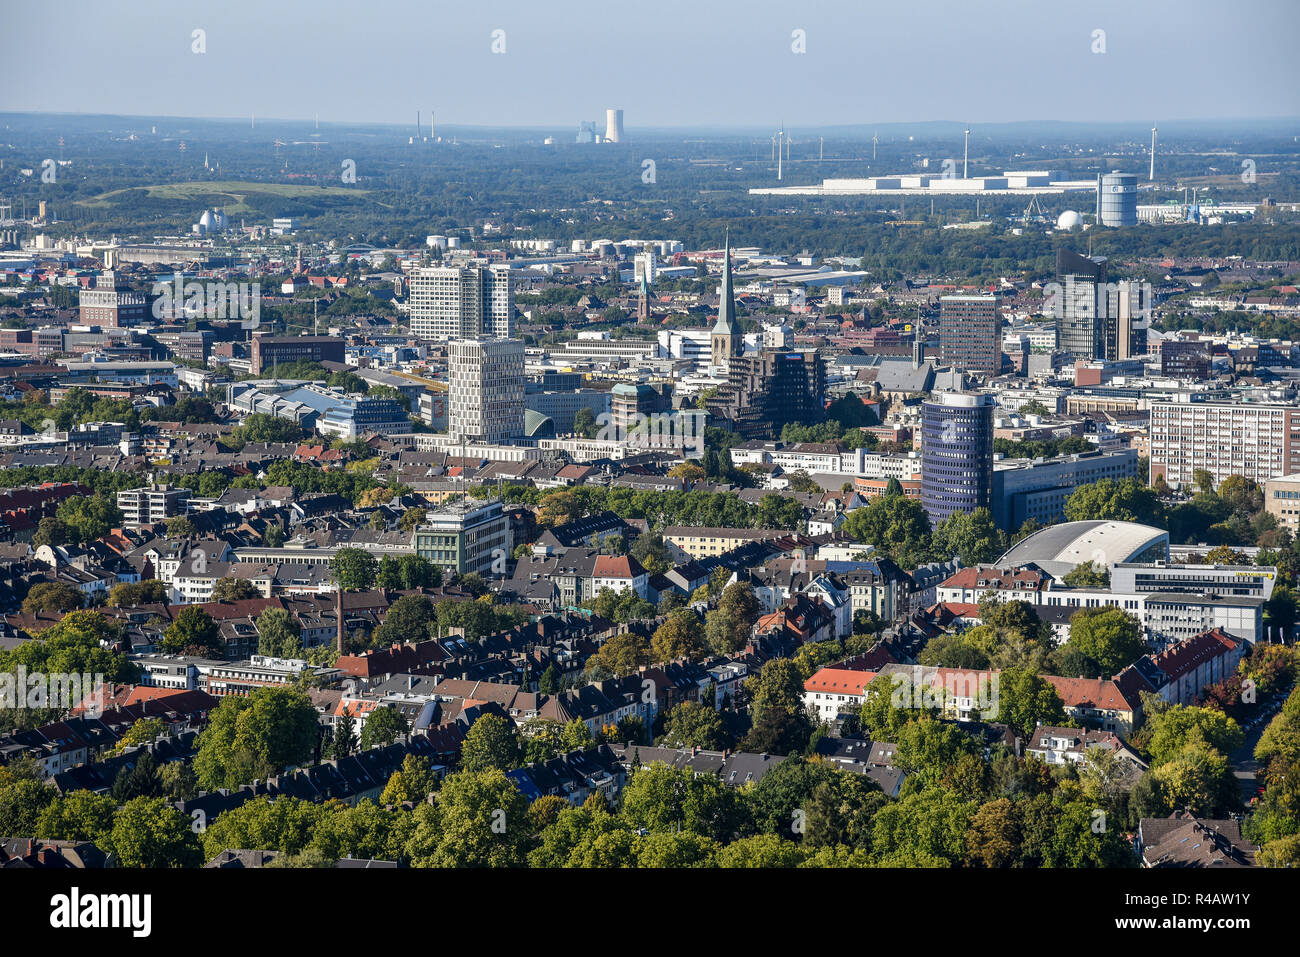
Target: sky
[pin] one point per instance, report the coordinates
(666, 63)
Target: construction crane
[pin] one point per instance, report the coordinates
(1033, 212)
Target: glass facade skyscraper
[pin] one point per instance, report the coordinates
(956, 454)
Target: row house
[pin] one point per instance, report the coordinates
(1054, 745)
(574, 776)
(604, 704)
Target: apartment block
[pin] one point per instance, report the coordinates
(1256, 440)
(485, 389)
(466, 537)
(156, 503)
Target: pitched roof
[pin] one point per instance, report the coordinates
(839, 681)
(617, 566)
(1187, 656)
(1098, 693)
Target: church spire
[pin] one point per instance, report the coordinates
(727, 324)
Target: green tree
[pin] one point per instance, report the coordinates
(1087, 575)
(383, 727)
(147, 832)
(1103, 641)
(50, 531)
(897, 526)
(481, 820)
(970, 536)
(1197, 778)
(194, 632)
(177, 781)
(79, 644)
(761, 850)
(278, 634)
(285, 824)
(663, 799)
(1026, 701)
(549, 683)
(1171, 730)
(90, 517)
(54, 597)
(406, 621)
(23, 799)
(127, 595)
(354, 569)
(413, 783)
(234, 589)
(254, 737)
(491, 743)
(1283, 852)
(781, 726)
(694, 725)
(80, 816)
(137, 780)
(993, 839)
(680, 636)
(619, 656)
(179, 527)
(1117, 500)
(584, 423)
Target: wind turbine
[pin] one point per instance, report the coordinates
(874, 140)
(1152, 177)
(965, 156)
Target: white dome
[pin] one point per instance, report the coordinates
(1069, 220)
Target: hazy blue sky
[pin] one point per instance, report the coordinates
(666, 62)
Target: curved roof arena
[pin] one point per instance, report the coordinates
(1059, 548)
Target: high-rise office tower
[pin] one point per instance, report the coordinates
(485, 389)
(458, 302)
(956, 454)
(1082, 305)
(1128, 308)
(970, 333)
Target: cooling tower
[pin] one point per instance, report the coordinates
(613, 126)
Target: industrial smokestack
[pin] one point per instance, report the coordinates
(613, 126)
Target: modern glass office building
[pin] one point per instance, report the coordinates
(956, 454)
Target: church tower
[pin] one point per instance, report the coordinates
(643, 304)
(726, 339)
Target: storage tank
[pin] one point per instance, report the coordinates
(1069, 221)
(1119, 199)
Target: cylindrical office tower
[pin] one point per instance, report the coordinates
(614, 127)
(956, 454)
(1119, 198)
